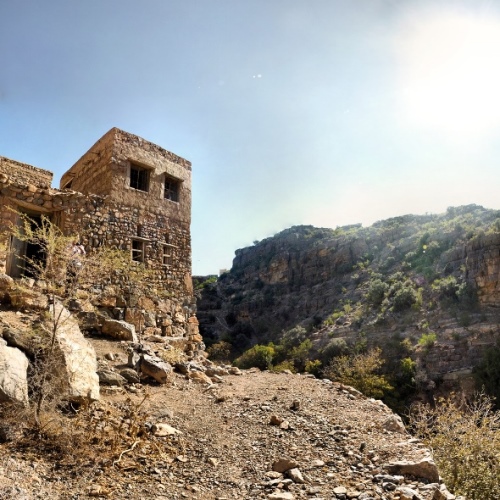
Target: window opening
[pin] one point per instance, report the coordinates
(138, 250)
(167, 256)
(171, 189)
(139, 178)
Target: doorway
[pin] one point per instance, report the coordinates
(25, 256)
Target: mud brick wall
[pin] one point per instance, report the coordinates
(25, 174)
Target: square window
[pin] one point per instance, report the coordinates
(138, 250)
(171, 189)
(139, 178)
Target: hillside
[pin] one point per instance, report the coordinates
(427, 287)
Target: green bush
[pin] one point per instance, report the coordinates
(283, 366)
(427, 340)
(361, 371)
(313, 367)
(220, 351)
(377, 291)
(404, 298)
(260, 356)
(336, 347)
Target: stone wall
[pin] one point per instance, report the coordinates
(105, 170)
(91, 174)
(99, 221)
(98, 203)
(25, 174)
(102, 222)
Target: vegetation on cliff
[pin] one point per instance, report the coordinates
(409, 285)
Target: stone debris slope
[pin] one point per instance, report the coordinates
(254, 435)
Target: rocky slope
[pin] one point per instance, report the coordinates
(252, 435)
(399, 279)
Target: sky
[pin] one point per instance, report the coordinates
(321, 112)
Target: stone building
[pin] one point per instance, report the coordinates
(124, 192)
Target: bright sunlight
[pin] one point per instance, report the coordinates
(450, 76)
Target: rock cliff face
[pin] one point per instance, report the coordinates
(440, 274)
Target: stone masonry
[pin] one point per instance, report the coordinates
(124, 193)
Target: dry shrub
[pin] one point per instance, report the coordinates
(172, 355)
(113, 435)
(465, 440)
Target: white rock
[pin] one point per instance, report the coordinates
(74, 359)
(295, 475)
(155, 368)
(394, 424)
(280, 495)
(162, 430)
(119, 330)
(13, 374)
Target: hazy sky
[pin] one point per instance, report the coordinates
(323, 112)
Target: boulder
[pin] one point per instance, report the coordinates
(442, 493)
(406, 493)
(6, 284)
(108, 377)
(130, 375)
(120, 330)
(199, 377)
(25, 298)
(394, 424)
(74, 359)
(156, 368)
(425, 469)
(13, 374)
(283, 465)
(21, 340)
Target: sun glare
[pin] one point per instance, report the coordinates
(450, 74)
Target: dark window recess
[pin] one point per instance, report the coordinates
(138, 251)
(139, 178)
(167, 256)
(171, 191)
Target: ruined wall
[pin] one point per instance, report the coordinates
(25, 174)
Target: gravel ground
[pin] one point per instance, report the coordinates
(333, 442)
